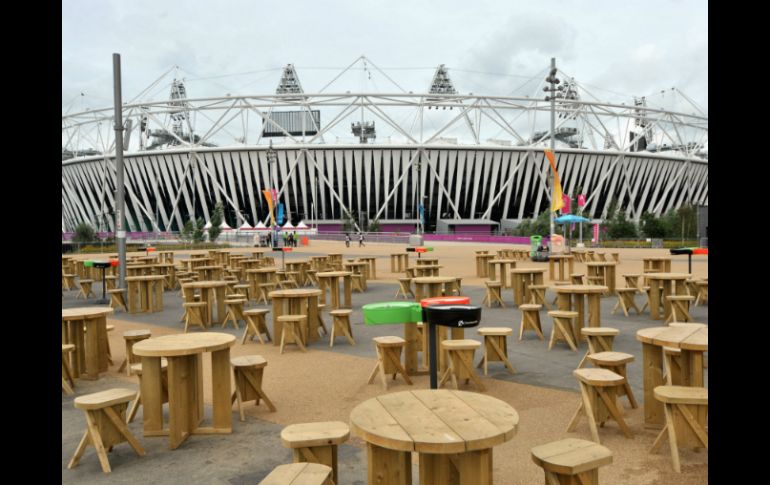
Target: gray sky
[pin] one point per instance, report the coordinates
(491, 47)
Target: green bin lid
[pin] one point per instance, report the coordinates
(392, 312)
(88, 264)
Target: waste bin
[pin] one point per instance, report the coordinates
(534, 243)
(557, 244)
(457, 316)
(390, 312)
(415, 239)
(304, 240)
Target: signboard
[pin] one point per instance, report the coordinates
(595, 237)
(581, 200)
(567, 201)
(296, 123)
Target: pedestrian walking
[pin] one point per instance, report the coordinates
(360, 239)
(347, 240)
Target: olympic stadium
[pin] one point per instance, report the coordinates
(402, 158)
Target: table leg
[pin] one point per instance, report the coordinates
(221, 310)
(277, 326)
(517, 281)
(551, 272)
(92, 350)
(152, 397)
(182, 398)
(334, 291)
(655, 299)
(158, 307)
(388, 467)
(652, 360)
(413, 345)
(348, 292)
(220, 385)
(311, 308)
(594, 310)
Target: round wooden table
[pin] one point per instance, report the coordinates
(605, 270)
(566, 302)
(302, 301)
(399, 262)
(331, 280)
(657, 264)
(561, 259)
(145, 293)
(299, 266)
(184, 353)
(86, 329)
(692, 339)
(453, 432)
(521, 278)
(672, 284)
(210, 291)
(358, 267)
(502, 263)
(430, 286)
(427, 270)
(372, 261)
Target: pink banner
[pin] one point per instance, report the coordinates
(567, 201)
(595, 237)
(581, 200)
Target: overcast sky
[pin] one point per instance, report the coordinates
(490, 46)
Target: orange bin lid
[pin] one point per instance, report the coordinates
(445, 300)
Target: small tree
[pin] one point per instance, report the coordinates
(84, 233)
(652, 226)
(187, 231)
(374, 226)
(216, 221)
(621, 228)
(197, 232)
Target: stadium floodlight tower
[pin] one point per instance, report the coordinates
(441, 85)
(364, 130)
(289, 83)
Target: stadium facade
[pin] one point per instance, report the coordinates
(439, 162)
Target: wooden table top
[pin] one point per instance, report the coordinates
(528, 270)
(206, 284)
(295, 293)
(353, 263)
(601, 263)
(492, 261)
(84, 312)
(271, 269)
(688, 336)
(667, 276)
(561, 256)
(580, 289)
(183, 344)
(301, 261)
(212, 266)
(333, 274)
(151, 277)
(434, 279)
(657, 258)
(434, 421)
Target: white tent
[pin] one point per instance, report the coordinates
(288, 226)
(225, 227)
(245, 227)
(207, 226)
(261, 226)
(302, 225)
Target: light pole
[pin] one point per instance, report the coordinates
(272, 160)
(554, 93)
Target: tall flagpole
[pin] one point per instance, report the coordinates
(120, 229)
(553, 132)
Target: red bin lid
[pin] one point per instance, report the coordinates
(445, 300)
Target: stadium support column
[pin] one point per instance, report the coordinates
(120, 230)
(553, 145)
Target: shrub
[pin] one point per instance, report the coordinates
(84, 233)
(216, 221)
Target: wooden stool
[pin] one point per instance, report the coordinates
(538, 295)
(230, 288)
(632, 281)
(291, 324)
(405, 288)
(85, 289)
(616, 362)
(680, 308)
(68, 281)
(596, 280)
(234, 310)
(67, 381)
(458, 286)
(131, 337)
(577, 279)
(255, 325)
(356, 283)
(672, 367)
(493, 294)
(316, 442)
(118, 298)
(496, 344)
(703, 293)
(571, 461)
(289, 281)
(341, 326)
(647, 290)
(245, 290)
(599, 339)
(626, 300)
(110, 328)
(300, 474)
(556, 295)
(136, 369)
(247, 371)
(460, 355)
(563, 328)
(321, 323)
(193, 314)
(109, 281)
(681, 405)
(598, 388)
(389, 359)
(311, 276)
(105, 419)
(264, 291)
(530, 320)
